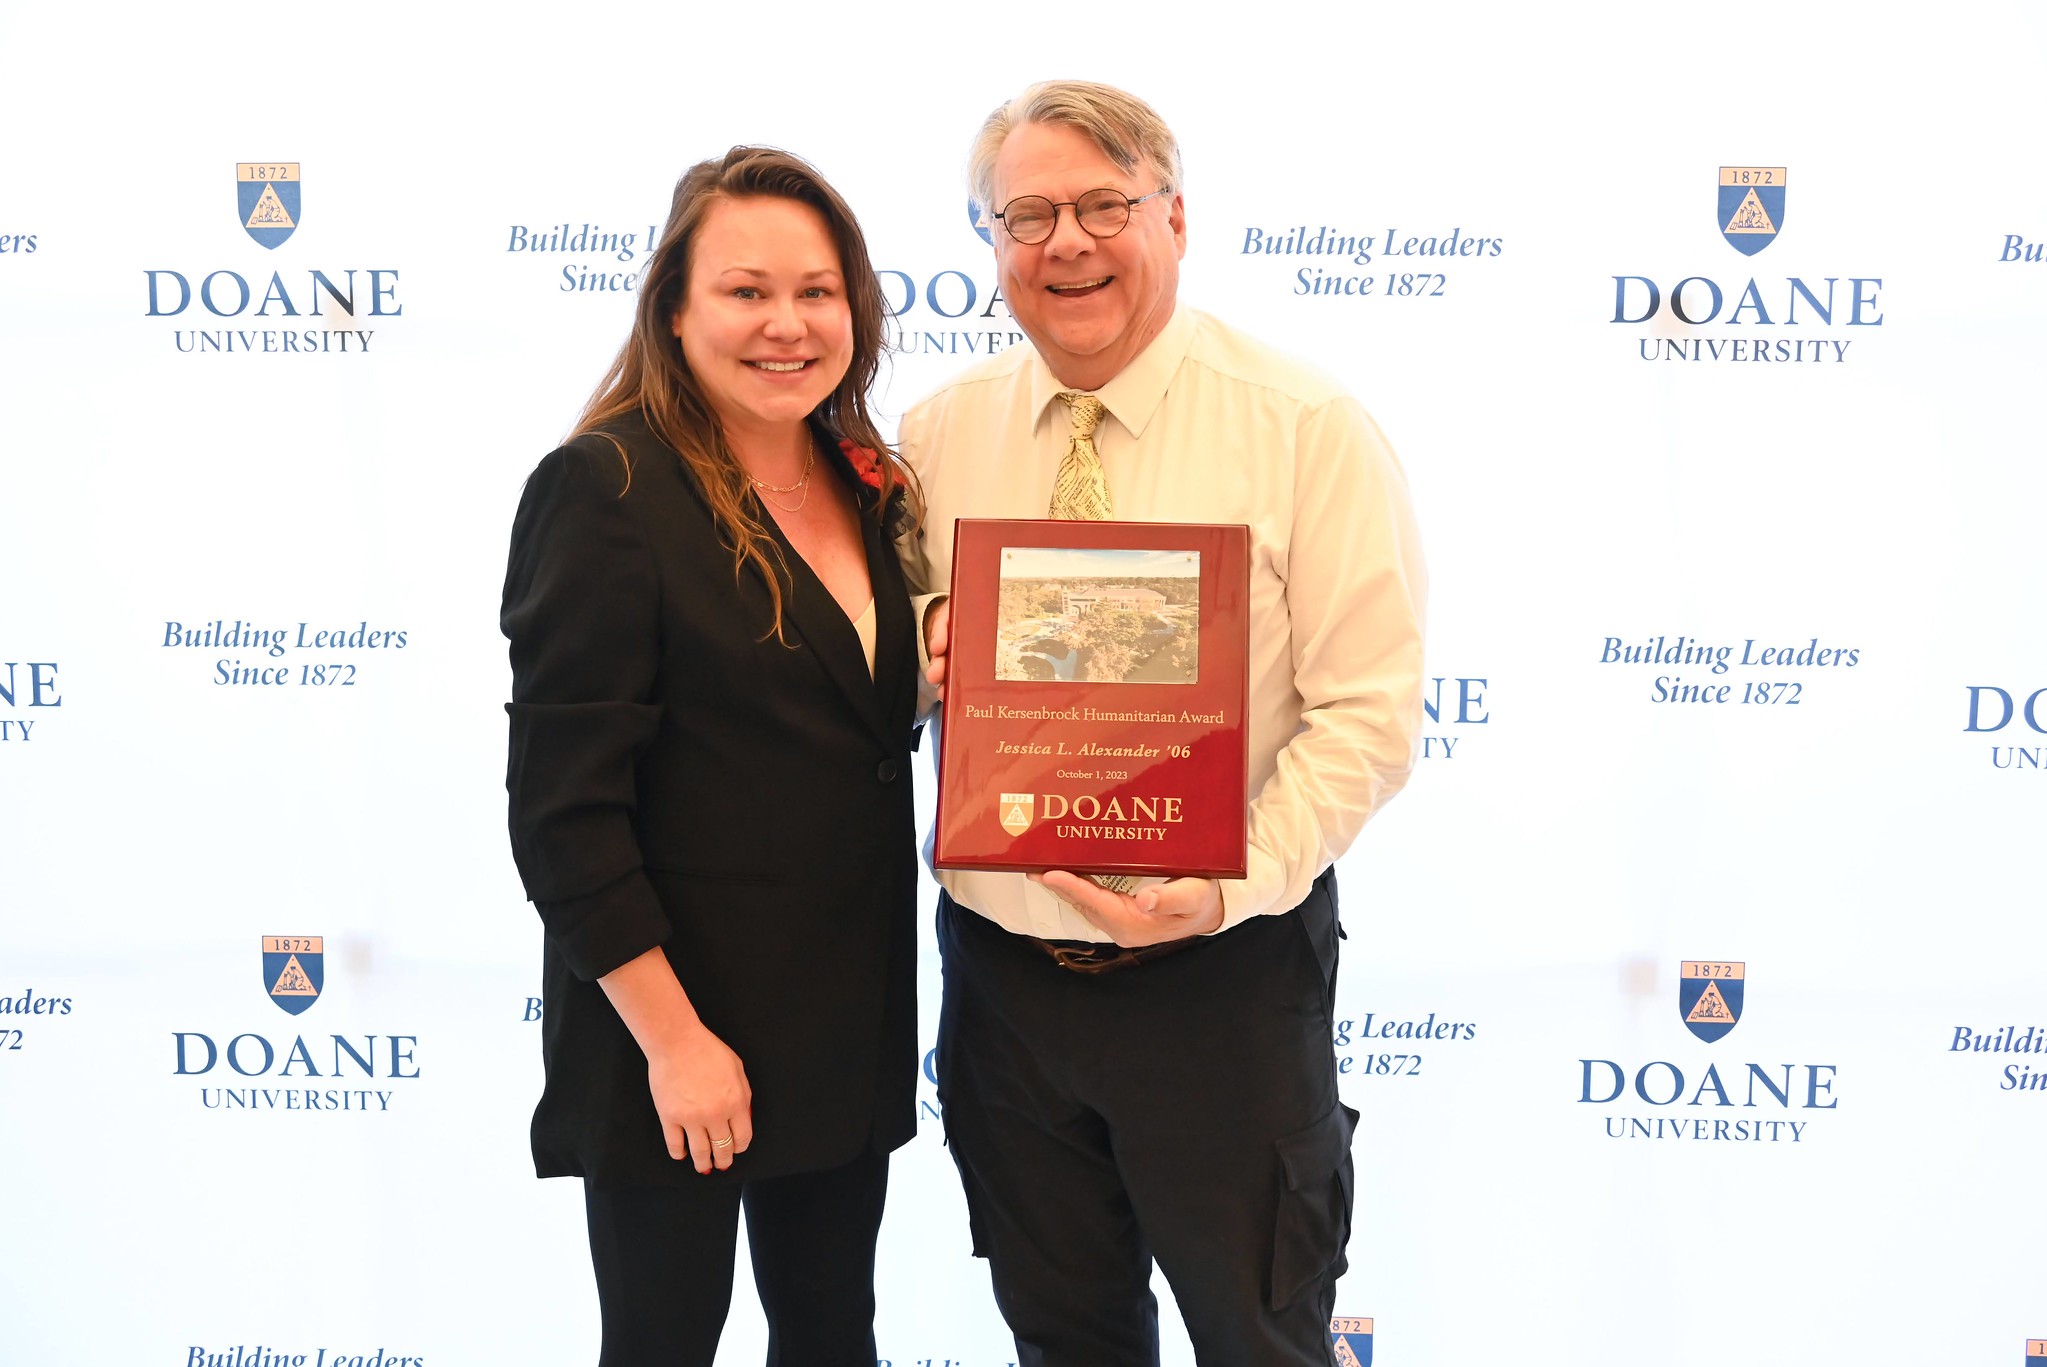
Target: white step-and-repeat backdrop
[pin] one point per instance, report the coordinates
(1693, 996)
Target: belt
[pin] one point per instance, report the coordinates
(1089, 956)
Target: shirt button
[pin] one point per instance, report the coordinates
(886, 771)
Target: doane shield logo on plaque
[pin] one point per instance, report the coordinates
(1352, 1340)
(1751, 206)
(294, 971)
(1709, 997)
(1015, 810)
(267, 193)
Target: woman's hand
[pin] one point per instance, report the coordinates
(702, 1096)
(698, 1084)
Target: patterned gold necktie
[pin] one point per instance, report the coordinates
(1081, 492)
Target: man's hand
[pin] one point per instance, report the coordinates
(937, 639)
(1169, 911)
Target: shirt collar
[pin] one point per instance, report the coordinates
(1136, 391)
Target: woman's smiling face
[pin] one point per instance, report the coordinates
(764, 323)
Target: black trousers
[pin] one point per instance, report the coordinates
(1184, 1110)
(663, 1257)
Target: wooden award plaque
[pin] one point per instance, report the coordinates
(1095, 695)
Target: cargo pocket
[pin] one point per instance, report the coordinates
(1313, 1224)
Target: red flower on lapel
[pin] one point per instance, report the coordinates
(867, 465)
(893, 489)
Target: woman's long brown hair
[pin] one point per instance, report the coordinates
(651, 376)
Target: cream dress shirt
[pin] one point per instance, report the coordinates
(1208, 425)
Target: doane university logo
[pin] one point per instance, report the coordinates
(344, 1068)
(1751, 206)
(288, 313)
(293, 971)
(2036, 1353)
(1352, 1340)
(1804, 320)
(1709, 997)
(267, 196)
(1016, 809)
(1707, 1097)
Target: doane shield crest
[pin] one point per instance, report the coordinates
(1709, 997)
(1015, 811)
(2036, 1353)
(294, 971)
(268, 195)
(984, 226)
(1751, 206)
(1352, 1340)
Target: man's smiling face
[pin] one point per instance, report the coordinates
(1089, 304)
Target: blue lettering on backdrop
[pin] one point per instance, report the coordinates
(395, 1053)
(29, 1004)
(1639, 290)
(946, 294)
(1470, 701)
(2007, 708)
(262, 1355)
(383, 290)
(2005, 1041)
(325, 670)
(1613, 1080)
(1467, 707)
(1360, 249)
(38, 688)
(586, 239)
(42, 684)
(1992, 709)
(1406, 1034)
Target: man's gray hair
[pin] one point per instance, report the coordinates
(1127, 130)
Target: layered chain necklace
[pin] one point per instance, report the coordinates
(803, 484)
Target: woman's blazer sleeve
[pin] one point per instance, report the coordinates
(581, 610)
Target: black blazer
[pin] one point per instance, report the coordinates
(676, 780)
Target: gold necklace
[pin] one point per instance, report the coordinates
(809, 463)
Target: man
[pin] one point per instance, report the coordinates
(1176, 1101)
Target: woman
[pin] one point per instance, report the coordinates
(713, 679)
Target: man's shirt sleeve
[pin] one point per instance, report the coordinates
(1355, 598)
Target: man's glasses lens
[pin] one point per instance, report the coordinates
(1103, 212)
(1029, 219)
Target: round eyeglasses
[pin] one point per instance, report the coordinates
(1030, 219)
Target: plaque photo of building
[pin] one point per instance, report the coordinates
(1099, 616)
